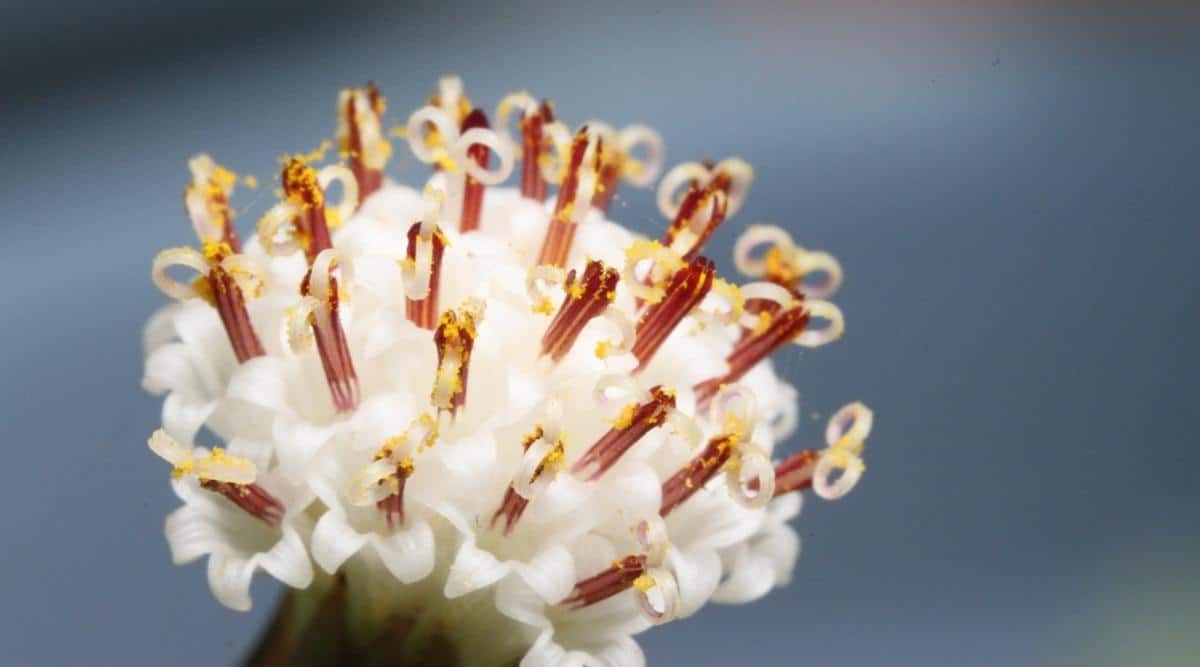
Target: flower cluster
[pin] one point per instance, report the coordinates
(488, 414)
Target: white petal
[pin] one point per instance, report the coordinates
(229, 577)
(409, 553)
(697, 574)
(334, 541)
(183, 417)
(551, 573)
(473, 569)
(191, 533)
(752, 576)
(288, 560)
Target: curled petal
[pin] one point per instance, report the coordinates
(279, 218)
(172, 257)
(686, 428)
(678, 177)
(624, 327)
(658, 595)
(752, 484)
(651, 535)
(642, 172)
(831, 332)
(342, 174)
(852, 421)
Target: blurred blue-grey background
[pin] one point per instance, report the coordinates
(1011, 186)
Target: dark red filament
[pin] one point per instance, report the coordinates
(608, 176)
(369, 180)
(252, 498)
(561, 232)
(784, 328)
(333, 348)
(534, 145)
(587, 297)
(393, 506)
(794, 473)
(473, 190)
(685, 290)
(456, 332)
(513, 505)
(693, 476)
(301, 187)
(621, 437)
(694, 202)
(617, 579)
(424, 312)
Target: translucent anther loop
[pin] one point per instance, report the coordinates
(658, 595)
(345, 208)
(817, 337)
(852, 421)
(741, 174)
(554, 167)
(764, 291)
(248, 275)
(735, 410)
(423, 146)
(751, 481)
(663, 263)
(360, 131)
(279, 219)
(819, 263)
(172, 257)
(206, 200)
(521, 101)
(756, 236)
(725, 305)
(297, 325)
(615, 389)
(832, 461)
(681, 176)
(320, 284)
(479, 136)
(535, 472)
(643, 171)
(216, 466)
(538, 282)
(651, 536)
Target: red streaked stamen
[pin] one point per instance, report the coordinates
(686, 289)
(454, 338)
(783, 329)
(585, 299)
(221, 290)
(473, 190)
(513, 505)
(332, 346)
(534, 146)
(794, 473)
(561, 232)
(611, 162)
(695, 203)
(630, 427)
(617, 579)
(252, 498)
(424, 312)
(393, 506)
(300, 186)
(369, 177)
(697, 472)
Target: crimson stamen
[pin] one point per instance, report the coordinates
(618, 578)
(534, 146)
(369, 178)
(630, 427)
(300, 186)
(697, 472)
(694, 203)
(455, 339)
(585, 299)
(424, 312)
(332, 346)
(783, 329)
(473, 190)
(222, 291)
(561, 232)
(685, 290)
(252, 498)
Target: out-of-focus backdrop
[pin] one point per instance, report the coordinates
(1011, 186)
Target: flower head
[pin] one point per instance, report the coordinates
(464, 396)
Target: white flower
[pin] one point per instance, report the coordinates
(484, 410)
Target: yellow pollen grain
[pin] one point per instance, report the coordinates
(399, 131)
(250, 181)
(625, 419)
(603, 349)
(644, 583)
